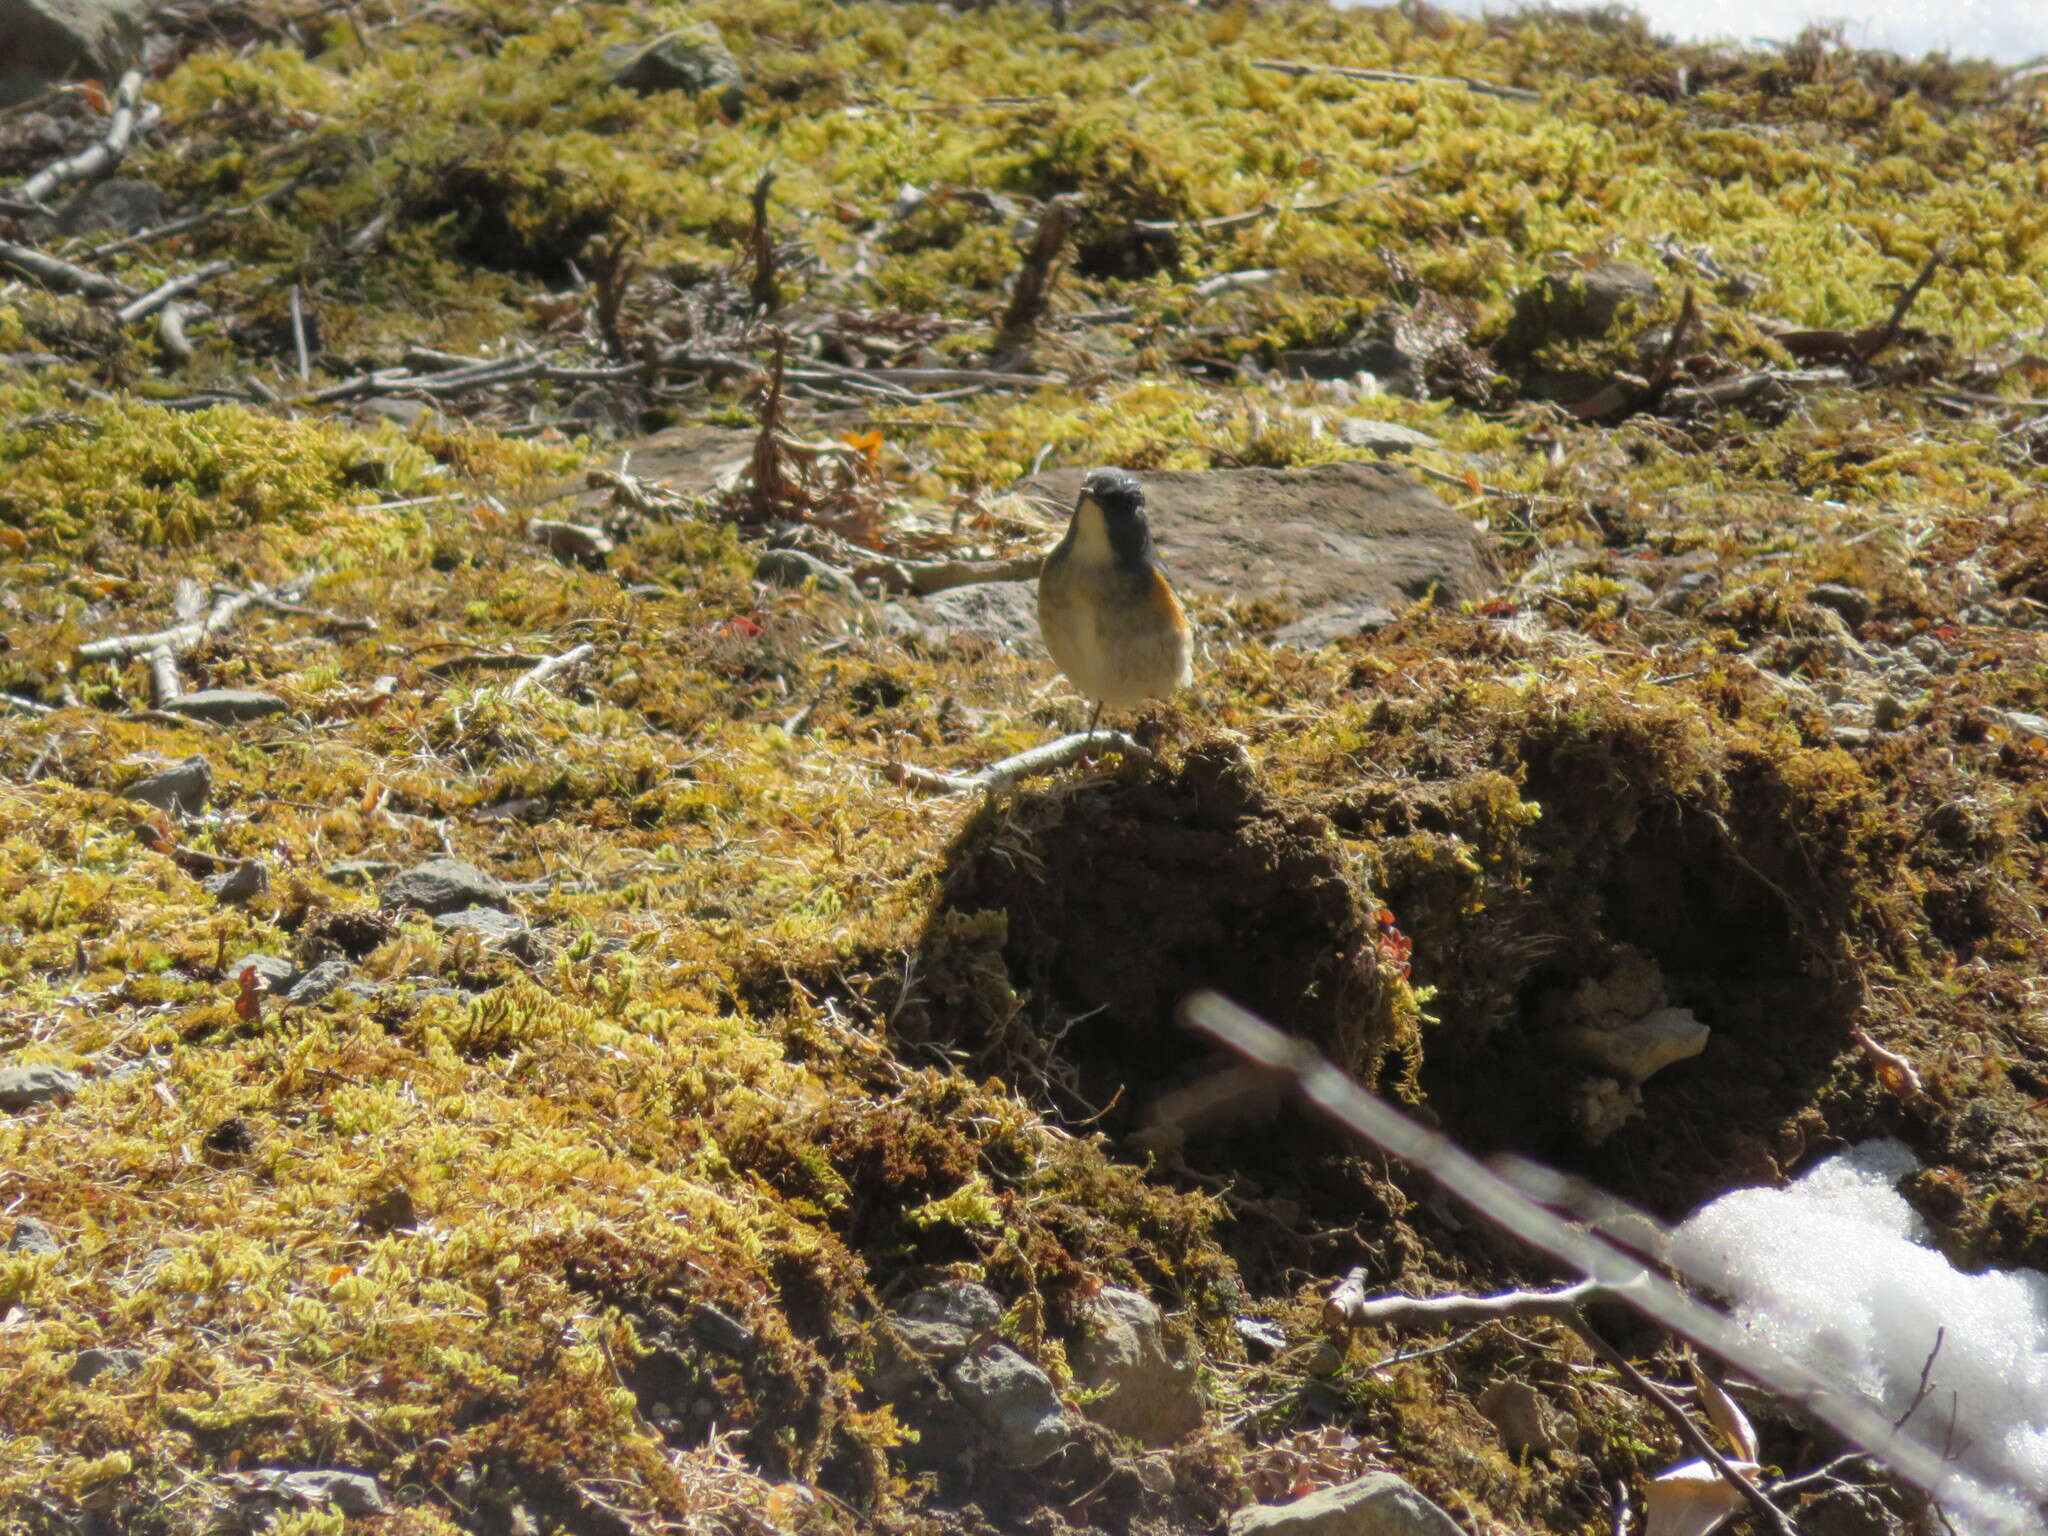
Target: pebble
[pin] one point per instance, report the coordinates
(181, 790)
(41, 1083)
(227, 706)
(444, 885)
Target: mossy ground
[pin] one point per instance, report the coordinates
(784, 1051)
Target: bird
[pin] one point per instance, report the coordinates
(1107, 613)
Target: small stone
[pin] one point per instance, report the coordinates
(352, 1493)
(940, 1321)
(1382, 437)
(1378, 1504)
(227, 706)
(25, 1087)
(1575, 306)
(1015, 1404)
(796, 568)
(1852, 605)
(125, 205)
(95, 39)
(1528, 1423)
(91, 1364)
(1851, 737)
(1154, 1389)
(1636, 1052)
(990, 613)
(693, 59)
(445, 885)
(274, 973)
(1888, 712)
(2023, 725)
(182, 789)
(246, 881)
(1320, 629)
(33, 1237)
(1262, 1340)
(587, 547)
(319, 983)
(494, 929)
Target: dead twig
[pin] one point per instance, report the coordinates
(554, 666)
(762, 290)
(176, 640)
(770, 492)
(171, 288)
(1208, 288)
(16, 702)
(60, 276)
(1397, 77)
(130, 117)
(170, 335)
(1032, 291)
(190, 221)
(1888, 333)
(1013, 770)
(165, 686)
(299, 337)
(1343, 1310)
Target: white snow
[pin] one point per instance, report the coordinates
(1837, 1270)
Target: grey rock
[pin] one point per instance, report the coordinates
(91, 1364)
(693, 59)
(246, 881)
(1382, 436)
(25, 1087)
(718, 1328)
(1332, 624)
(33, 1237)
(182, 789)
(1526, 1419)
(796, 567)
(1852, 605)
(1262, 1340)
(444, 885)
(575, 542)
(1330, 540)
(122, 206)
(1154, 1387)
(353, 1493)
(940, 1321)
(319, 983)
(1378, 1504)
(495, 929)
(1001, 613)
(1888, 712)
(1575, 306)
(51, 40)
(1014, 1403)
(227, 706)
(274, 973)
(2023, 725)
(1381, 356)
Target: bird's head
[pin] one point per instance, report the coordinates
(1116, 497)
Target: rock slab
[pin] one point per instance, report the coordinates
(1378, 1504)
(1332, 542)
(26, 1087)
(1015, 1404)
(1154, 1390)
(444, 885)
(51, 40)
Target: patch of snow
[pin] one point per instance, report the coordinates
(1836, 1270)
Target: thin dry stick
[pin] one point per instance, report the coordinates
(1890, 332)
(762, 290)
(171, 288)
(60, 276)
(165, 685)
(1030, 294)
(170, 335)
(554, 666)
(101, 158)
(1623, 1277)
(1013, 770)
(1396, 77)
(178, 639)
(299, 336)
